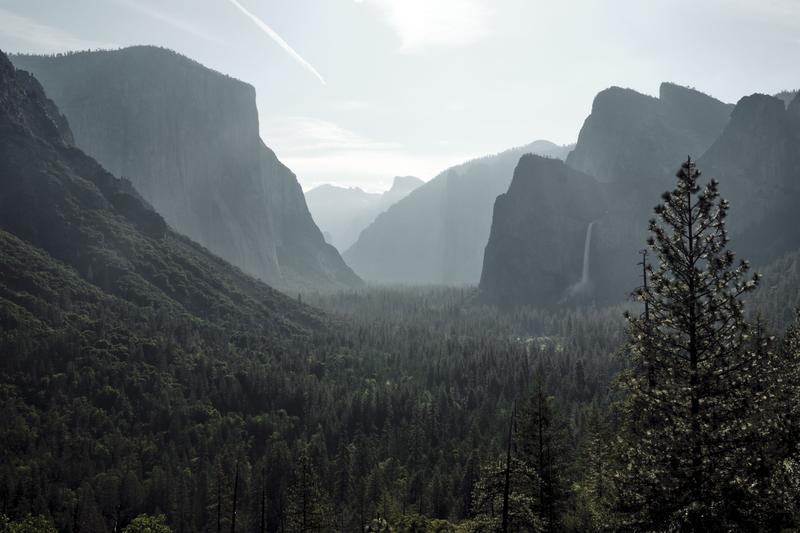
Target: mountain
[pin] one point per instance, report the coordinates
(62, 202)
(342, 212)
(437, 233)
(633, 137)
(540, 246)
(401, 187)
(755, 156)
(757, 162)
(188, 139)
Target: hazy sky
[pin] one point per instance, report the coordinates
(355, 92)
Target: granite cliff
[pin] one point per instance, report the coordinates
(187, 137)
(539, 249)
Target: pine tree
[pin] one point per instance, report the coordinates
(504, 498)
(590, 492)
(490, 493)
(308, 508)
(786, 474)
(468, 481)
(694, 406)
(544, 446)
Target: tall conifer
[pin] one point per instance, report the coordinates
(694, 393)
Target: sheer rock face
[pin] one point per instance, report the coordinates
(757, 162)
(343, 212)
(71, 209)
(535, 252)
(437, 233)
(188, 139)
(633, 137)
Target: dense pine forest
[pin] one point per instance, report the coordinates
(414, 409)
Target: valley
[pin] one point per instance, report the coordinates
(593, 336)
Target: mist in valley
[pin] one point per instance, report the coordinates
(399, 266)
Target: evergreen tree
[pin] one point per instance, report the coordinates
(488, 500)
(468, 481)
(544, 446)
(786, 475)
(308, 506)
(694, 396)
(591, 490)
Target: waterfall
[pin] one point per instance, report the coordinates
(586, 247)
(582, 286)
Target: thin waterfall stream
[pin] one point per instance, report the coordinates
(586, 261)
(582, 286)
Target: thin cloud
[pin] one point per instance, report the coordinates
(277, 38)
(41, 38)
(319, 151)
(305, 135)
(168, 19)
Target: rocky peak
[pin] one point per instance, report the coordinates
(686, 96)
(757, 109)
(405, 183)
(402, 186)
(632, 137)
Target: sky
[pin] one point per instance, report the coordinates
(354, 92)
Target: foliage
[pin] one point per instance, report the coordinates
(148, 524)
(28, 524)
(697, 418)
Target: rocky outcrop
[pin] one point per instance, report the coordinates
(438, 232)
(539, 236)
(188, 139)
(631, 137)
(343, 212)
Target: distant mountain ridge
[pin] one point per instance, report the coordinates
(437, 233)
(188, 139)
(343, 212)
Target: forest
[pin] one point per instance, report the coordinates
(413, 408)
(215, 317)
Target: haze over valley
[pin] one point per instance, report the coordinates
(399, 266)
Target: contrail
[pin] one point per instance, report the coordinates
(277, 38)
